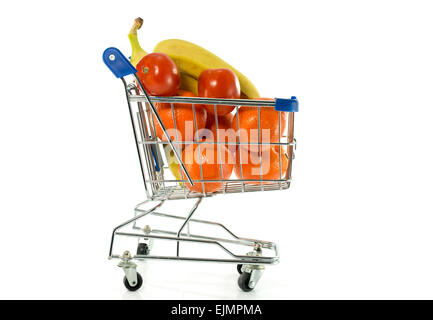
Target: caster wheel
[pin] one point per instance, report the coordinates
(137, 285)
(143, 249)
(239, 267)
(244, 280)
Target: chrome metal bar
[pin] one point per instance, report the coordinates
(135, 136)
(223, 180)
(210, 101)
(220, 142)
(147, 149)
(158, 118)
(205, 241)
(166, 215)
(186, 221)
(238, 140)
(130, 221)
(241, 242)
(250, 260)
(199, 152)
(219, 149)
(177, 139)
(260, 147)
(197, 221)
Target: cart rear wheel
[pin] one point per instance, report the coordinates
(136, 286)
(244, 280)
(239, 267)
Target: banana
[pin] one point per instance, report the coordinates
(192, 59)
(188, 83)
(172, 162)
(137, 51)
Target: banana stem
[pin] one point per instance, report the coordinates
(137, 51)
(138, 22)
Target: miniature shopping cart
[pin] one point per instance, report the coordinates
(161, 185)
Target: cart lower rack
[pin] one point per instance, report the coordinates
(262, 162)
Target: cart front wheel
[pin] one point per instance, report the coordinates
(136, 286)
(239, 267)
(244, 282)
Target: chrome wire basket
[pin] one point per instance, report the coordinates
(159, 155)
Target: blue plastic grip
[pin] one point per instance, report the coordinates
(287, 105)
(117, 62)
(155, 159)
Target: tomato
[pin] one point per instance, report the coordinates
(159, 74)
(219, 83)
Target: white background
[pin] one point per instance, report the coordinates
(357, 221)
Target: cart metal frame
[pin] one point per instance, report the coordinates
(159, 188)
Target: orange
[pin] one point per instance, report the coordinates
(270, 130)
(270, 164)
(225, 131)
(182, 128)
(211, 163)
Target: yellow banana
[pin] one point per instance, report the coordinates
(172, 162)
(192, 59)
(188, 83)
(137, 51)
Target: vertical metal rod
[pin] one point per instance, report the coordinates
(260, 147)
(185, 222)
(199, 152)
(135, 136)
(177, 145)
(290, 139)
(219, 148)
(147, 150)
(158, 118)
(188, 230)
(239, 147)
(136, 217)
(154, 146)
(279, 146)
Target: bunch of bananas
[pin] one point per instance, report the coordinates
(191, 60)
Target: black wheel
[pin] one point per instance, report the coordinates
(239, 267)
(243, 281)
(136, 286)
(143, 249)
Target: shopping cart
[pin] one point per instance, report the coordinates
(161, 185)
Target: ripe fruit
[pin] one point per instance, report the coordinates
(182, 128)
(219, 83)
(193, 59)
(137, 52)
(270, 164)
(211, 163)
(225, 131)
(159, 74)
(188, 83)
(270, 130)
(172, 162)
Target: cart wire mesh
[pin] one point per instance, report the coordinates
(160, 182)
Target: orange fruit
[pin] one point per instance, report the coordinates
(182, 128)
(225, 131)
(270, 130)
(211, 163)
(270, 168)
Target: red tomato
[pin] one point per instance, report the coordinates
(219, 83)
(159, 74)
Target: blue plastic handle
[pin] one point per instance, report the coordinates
(154, 158)
(117, 62)
(287, 105)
